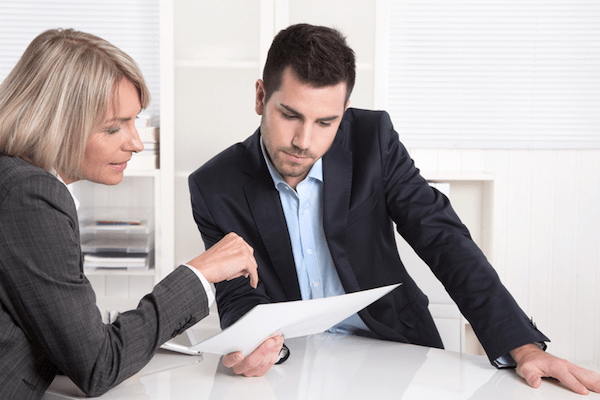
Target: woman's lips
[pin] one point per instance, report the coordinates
(118, 166)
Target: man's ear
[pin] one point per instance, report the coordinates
(347, 105)
(259, 104)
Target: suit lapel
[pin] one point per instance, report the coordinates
(265, 206)
(337, 178)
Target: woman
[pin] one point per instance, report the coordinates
(67, 113)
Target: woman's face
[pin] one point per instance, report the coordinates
(110, 148)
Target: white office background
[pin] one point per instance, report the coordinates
(131, 25)
(500, 98)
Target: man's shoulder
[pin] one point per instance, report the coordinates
(228, 163)
(360, 114)
(360, 128)
(358, 122)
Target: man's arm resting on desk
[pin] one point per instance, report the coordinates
(533, 364)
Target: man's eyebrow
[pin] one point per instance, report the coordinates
(327, 119)
(299, 114)
(291, 110)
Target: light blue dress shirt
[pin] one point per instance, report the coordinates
(303, 210)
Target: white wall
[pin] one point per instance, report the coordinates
(545, 237)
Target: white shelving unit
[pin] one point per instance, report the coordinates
(136, 198)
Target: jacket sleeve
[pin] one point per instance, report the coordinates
(235, 297)
(426, 220)
(47, 294)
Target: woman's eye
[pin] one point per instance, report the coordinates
(113, 130)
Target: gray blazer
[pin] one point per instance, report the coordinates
(48, 315)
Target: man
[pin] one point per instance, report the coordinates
(336, 180)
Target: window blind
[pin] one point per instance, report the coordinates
(131, 25)
(495, 73)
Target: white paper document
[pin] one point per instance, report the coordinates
(291, 319)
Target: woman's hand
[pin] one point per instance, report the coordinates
(229, 258)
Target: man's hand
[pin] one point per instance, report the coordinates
(533, 364)
(229, 258)
(257, 363)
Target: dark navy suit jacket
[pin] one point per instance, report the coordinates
(370, 186)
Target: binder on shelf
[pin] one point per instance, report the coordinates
(117, 238)
(115, 261)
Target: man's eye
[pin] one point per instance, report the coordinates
(324, 123)
(289, 116)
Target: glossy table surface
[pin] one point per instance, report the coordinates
(328, 366)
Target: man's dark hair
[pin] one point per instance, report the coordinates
(318, 56)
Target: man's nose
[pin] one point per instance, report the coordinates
(303, 137)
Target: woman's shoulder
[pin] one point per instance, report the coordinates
(14, 171)
(15, 167)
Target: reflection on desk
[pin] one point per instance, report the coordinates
(328, 366)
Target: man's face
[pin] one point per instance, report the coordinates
(299, 123)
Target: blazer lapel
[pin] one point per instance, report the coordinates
(337, 178)
(265, 206)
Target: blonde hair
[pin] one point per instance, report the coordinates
(58, 94)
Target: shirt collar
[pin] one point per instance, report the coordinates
(69, 188)
(316, 171)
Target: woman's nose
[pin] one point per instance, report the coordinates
(135, 141)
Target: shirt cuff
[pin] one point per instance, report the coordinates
(207, 289)
(506, 361)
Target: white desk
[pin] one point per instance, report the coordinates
(329, 366)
